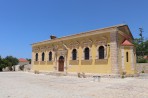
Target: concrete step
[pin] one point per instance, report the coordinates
(57, 73)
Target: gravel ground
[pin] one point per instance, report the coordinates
(29, 85)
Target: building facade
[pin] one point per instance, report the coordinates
(103, 51)
(23, 61)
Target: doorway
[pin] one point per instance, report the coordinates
(61, 63)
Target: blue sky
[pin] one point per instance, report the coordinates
(23, 22)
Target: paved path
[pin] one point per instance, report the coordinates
(29, 85)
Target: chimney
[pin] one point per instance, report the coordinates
(52, 37)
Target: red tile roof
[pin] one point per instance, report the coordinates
(127, 43)
(22, 60)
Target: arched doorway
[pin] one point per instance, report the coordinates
(61, 63)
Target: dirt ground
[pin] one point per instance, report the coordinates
(29, 85)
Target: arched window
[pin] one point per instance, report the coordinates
(74, 54)
(126, 56)
(86, 53)
(36, 57)
(43, 56)
(50, 56)
(101, 52)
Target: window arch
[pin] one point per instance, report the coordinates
(36, 57)
(86, 53)
(43, 56)
(74, 54)
(101, 52)
(50, 56)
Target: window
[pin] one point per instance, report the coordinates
(36, 57)
(50, 56)
(126, 56)
(86, 53)
(74, 54)
(101, 52)
(43, 56)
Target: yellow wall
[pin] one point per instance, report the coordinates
(102, 66)
(88, 66)
(127, 65)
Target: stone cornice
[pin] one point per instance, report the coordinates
(125, 35)
(83, 34)
(76, 36)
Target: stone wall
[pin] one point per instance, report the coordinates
(114, 52)
(142, 67)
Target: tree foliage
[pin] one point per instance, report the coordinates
(141, 49)
(28, 60)
(8, 61)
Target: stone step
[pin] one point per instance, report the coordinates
(57, 73)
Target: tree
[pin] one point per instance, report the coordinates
(12, 62)
(28, 60)
(141, 49)
(1, 65)
(146, 47)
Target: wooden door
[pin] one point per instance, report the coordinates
(61, 64)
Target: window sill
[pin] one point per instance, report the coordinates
(86, 62)
(74, 62)
(49, 62)
(36, 62)
(42, 62)
(101, 61)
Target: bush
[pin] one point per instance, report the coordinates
(21, 67)
(142, 61)
(142, 71)
(123, 75)
(83, 74)
(36, 72)
(79, 75)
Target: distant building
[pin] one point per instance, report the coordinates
(23, 61)
(146, 57)
(104, 51)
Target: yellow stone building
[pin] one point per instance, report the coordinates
(106, 51)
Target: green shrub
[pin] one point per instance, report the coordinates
(122, 76)
(142, 71)
(142, 61)
(21, 67)
(36, 72)
(79, 75)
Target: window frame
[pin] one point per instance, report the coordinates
(74, 54)
(50, 56)
(127, 56)
(36, 57)
(43, 56)
(101, 53)
(86, 53)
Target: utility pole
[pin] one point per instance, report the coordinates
(141, 39)
(141, 30)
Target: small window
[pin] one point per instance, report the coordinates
(36, 57)
(43, 56)
(126, 56)
(74, 54)
(86, 53)
(101, 52)
(50, 56)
